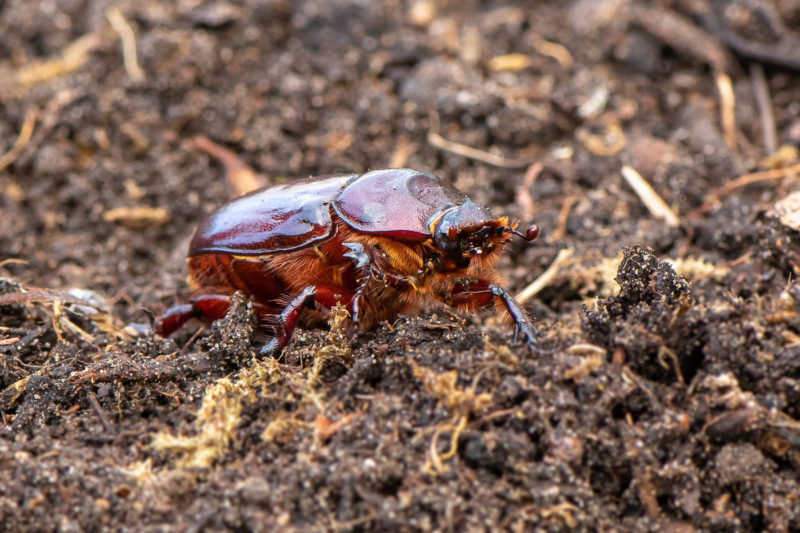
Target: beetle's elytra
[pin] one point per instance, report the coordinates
(381, 243)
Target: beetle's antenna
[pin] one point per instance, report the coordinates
(531, 233)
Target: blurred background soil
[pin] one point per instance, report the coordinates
(655, 143)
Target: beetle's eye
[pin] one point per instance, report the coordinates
(446, 238)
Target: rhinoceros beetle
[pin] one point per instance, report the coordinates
(381, 243)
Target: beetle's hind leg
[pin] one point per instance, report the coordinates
(207, 307)
(210, 307)
(308, 298)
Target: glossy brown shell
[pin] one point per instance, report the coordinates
(399, 203)
(274, 219)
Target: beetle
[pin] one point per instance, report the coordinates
(381, 243)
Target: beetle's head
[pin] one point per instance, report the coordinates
(466, 231)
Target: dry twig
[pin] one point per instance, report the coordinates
(654, 203)
(241, 178)
(576, 349)
(137, 217)
(509, 62)
(72, 58)
(128, 38)
(727, 104)
(682, 35)
(98, 409)
(563, 217)
(436, 459)
(49, 118)
(402, 152)
(782, 46)
(325, 428)
(764, 103)
(22, 139)
(13, 261)
(524, 198)
(554, 50)
(473, 153)
(744, 181)
(547, 276)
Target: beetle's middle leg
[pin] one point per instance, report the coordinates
(367, 264)
(308, 298)
(472, 293)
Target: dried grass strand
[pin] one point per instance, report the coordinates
(727, 103)
(764, 103)
(23, 138)
(72, 57)
(649, 197)
(743, 181)
(128, 38)
(547, 276)
(474, 153)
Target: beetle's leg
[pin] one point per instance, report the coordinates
(173, 319)
(207, 307)
(358, 254)
(363, 263)
(367, 264)
(481, 293)
(308, 298)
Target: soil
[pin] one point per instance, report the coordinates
(665, 392)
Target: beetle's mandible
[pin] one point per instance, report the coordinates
(381, 243)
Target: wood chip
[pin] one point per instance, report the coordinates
(509, 62)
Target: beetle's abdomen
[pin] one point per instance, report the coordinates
(224, 273)
(273, 220)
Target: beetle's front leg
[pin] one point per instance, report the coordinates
(308, 298)
(472, 293)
